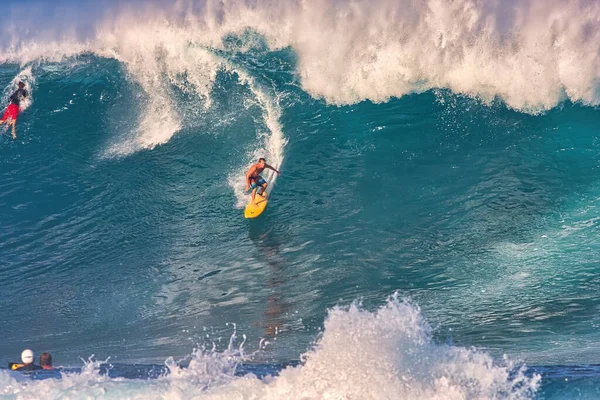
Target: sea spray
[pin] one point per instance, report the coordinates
(531, 54)
(385, 354)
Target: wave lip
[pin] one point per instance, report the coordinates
(533, 55)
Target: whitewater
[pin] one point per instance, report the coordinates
(432, 233)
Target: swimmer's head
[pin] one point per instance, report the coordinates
(21, 85)
(45, 360)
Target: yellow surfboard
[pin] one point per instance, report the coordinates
(254, 210)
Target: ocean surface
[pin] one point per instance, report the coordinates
(433, 233)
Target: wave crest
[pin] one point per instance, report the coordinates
(531, 54)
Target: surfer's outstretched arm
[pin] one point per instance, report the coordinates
(271, 168)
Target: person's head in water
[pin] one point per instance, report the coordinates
(46, 360)
(21, 85)
(262, 162)
(27, 356)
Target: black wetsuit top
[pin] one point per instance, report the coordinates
(27, 367)
(17, 96)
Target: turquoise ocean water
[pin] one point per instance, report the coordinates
(433, 232)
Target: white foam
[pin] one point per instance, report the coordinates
(159, 58)
(386, 354)
(528, 52)
(531, 54)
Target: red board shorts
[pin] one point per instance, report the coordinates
(12, 112)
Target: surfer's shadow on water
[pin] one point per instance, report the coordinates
(269, 252)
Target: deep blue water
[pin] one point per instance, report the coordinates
(123, 236)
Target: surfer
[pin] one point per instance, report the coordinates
(12, 111)
(254, 180)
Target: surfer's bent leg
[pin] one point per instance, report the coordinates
(264, 187)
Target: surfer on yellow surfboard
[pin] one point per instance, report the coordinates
(254, 180)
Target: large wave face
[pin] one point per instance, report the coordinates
(464, 186)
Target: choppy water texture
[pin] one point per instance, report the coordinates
(448, 153)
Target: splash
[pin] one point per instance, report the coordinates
(531, 54)
(390, 354)
(386, 354)
(161, 62)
